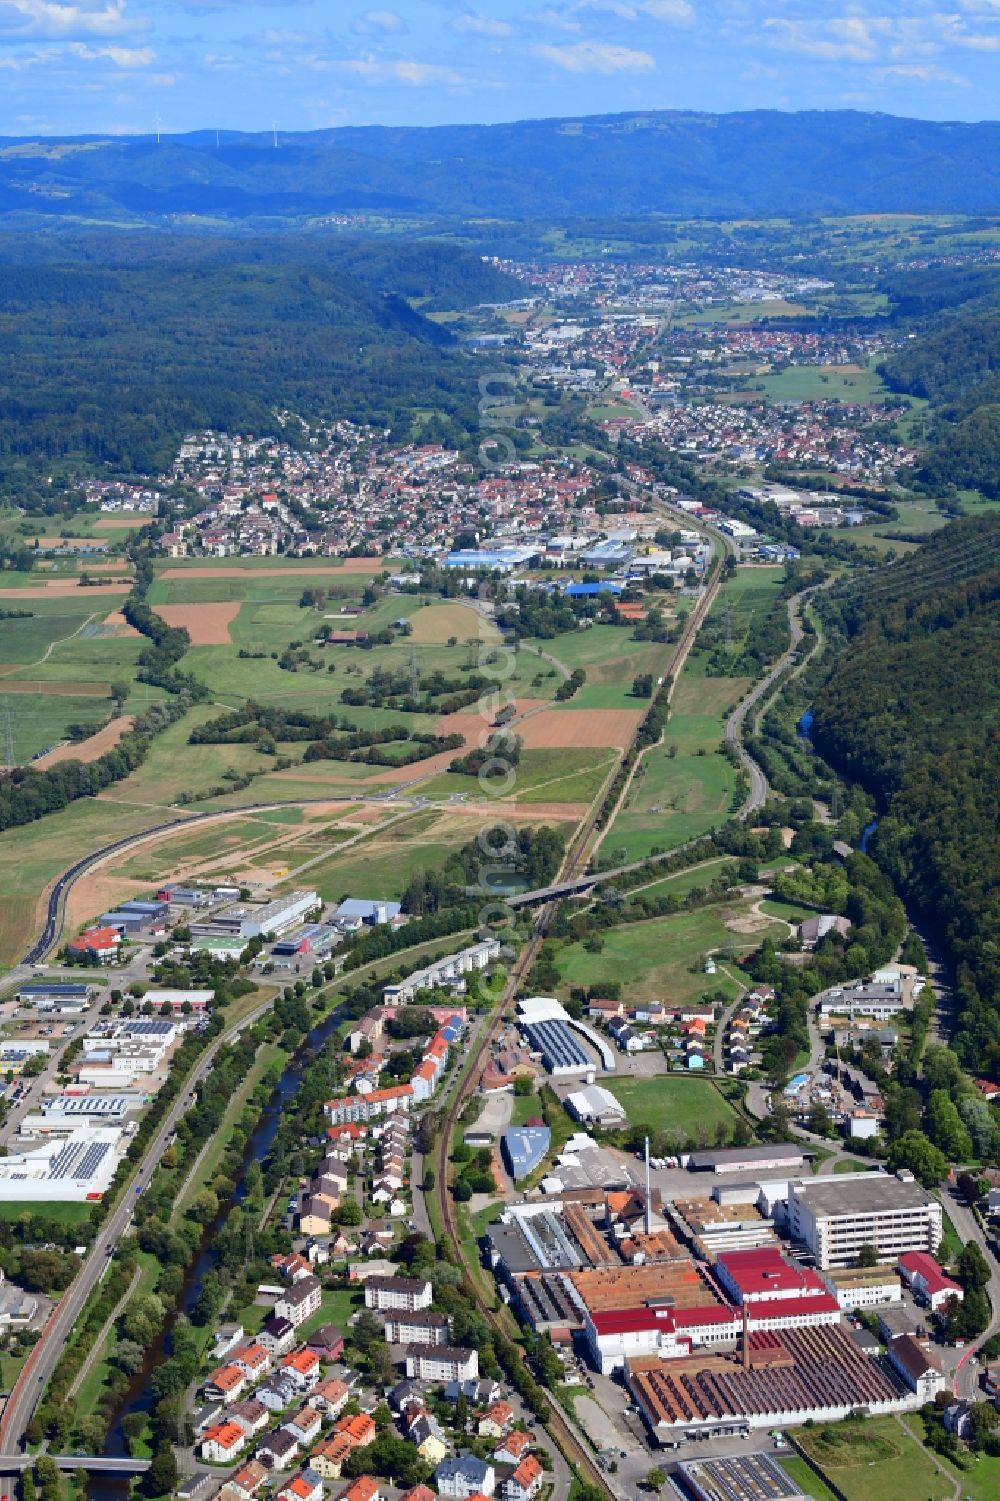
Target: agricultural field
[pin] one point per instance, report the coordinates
(611, 659)
(693, 1107)
(32, 856)
(663, 958)
(875, 1460)
(555, 775)
(846, 383)
(685, 786)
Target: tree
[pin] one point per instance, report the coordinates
(349, 1213)
(973, 1268)
(656, 1479)
(925, 1161)
(868, 1256)
(944, 1127)
(47, 1475)
(820, 1123)
(162, 1475)
(524, 1085)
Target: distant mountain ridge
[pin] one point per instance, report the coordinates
(681, 163)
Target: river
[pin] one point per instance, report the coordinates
(138, 1397)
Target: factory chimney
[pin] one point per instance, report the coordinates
(746, 1336)
(649, 1211)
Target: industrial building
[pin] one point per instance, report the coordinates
(549, 1031)
(836, 1217)
(777, 1378)
(595, 1105)
(743, 1477)
(524, 1148)
(57, 995)
(270, 920)
(774, 1157)
(70, 1171)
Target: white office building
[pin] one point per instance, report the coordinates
(836, 1217)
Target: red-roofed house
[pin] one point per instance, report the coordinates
(362, 1489)
(928, 1279)
(221, 1444)
(513, 1448)
(227, 1383)
(526, 1481)
(305, 1486)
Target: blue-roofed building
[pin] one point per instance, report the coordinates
(592, 591)
(695, 1061)
(523, 1148)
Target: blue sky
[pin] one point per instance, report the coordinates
(69, 66)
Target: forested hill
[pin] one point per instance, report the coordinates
(912, 711)
(111, 347)
(675, 162)
(955, 365)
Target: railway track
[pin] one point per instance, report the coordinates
(574, 864)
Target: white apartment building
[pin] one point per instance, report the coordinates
(441, 1363)
(836, 1217)
(387, 1294)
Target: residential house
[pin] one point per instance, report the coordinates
(223, 1443)
(496, 1421)
(305, 1486)
(513, 1448)
(276, 1336)
(253, 1359)
(277, 1393)
(316, 1215)
(249, 1479)
(278, 1450)
(251, 1415)
(464, 1476)
(405, 1395)
(427, 1434)
(362, 1489)
(359, 1428)
(227, 1383)
(329, 1457)
(305, 1424)
(526, 1481)
(330, 1397)
(326, 1342)
(301, 1368)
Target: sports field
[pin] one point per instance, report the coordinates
(674, 1103)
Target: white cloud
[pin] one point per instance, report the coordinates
(380, 70)
(597, 57)
(473, 25)
(122, 57)
(52, 19)
(553, 20)
(680, 12)
(845, 38)
(920, 73)
(384, 22)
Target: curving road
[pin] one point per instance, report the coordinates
(737, 719)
